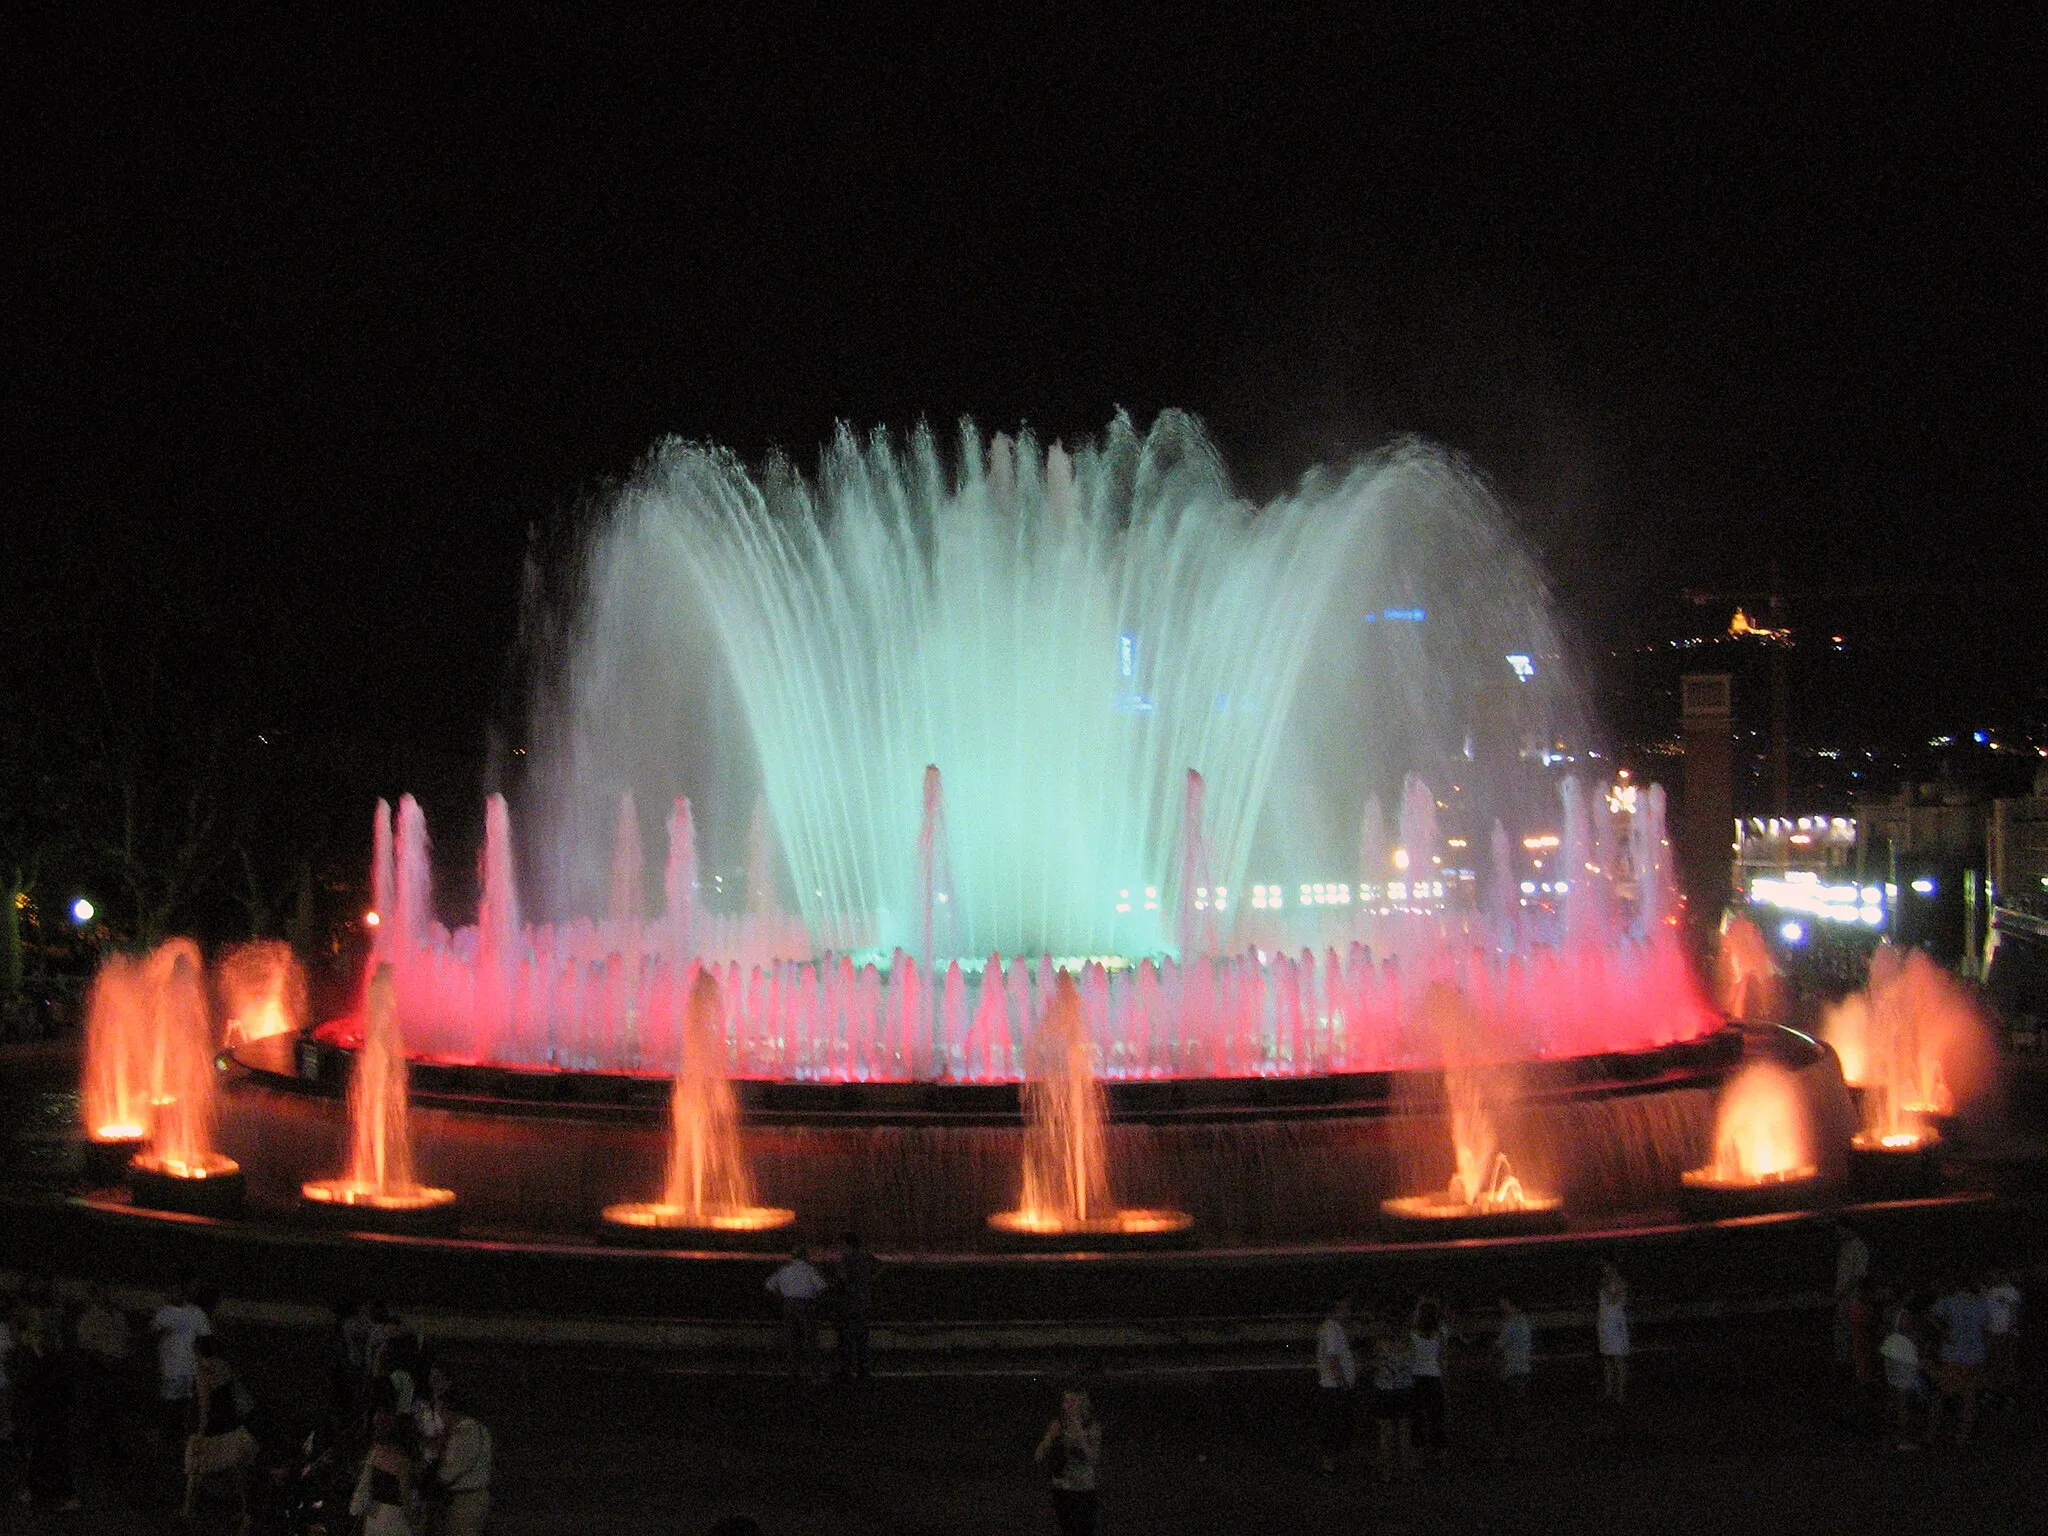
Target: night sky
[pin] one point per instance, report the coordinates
(327, 316)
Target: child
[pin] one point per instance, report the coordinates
(1904, 1386)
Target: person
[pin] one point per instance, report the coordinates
(1514, 1347)
(220, 1440)
(102, 1337)
(1393, 1391)
(1611, 1332)
(2001, 1338)
(1852, 1268)
(178, 1324)
(1336, 1377)
(383, 1491)
(1959, 1362)
(44, 1411)
(858, 1269)
(1905, 1388)
(1429, 1335)
(799, 1285)
(462, 1466)
(1071, 1450)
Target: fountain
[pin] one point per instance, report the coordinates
(178, 1168)
(1746, 975)
(262, 991)
(1764, 1156)
(379, 1192)
(118, 1057)
(1066, 1200)
(708, 1197)
(1916, 1051)
(1485, 1198)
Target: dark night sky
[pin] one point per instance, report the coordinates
(346, 309)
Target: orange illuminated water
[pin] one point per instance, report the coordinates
(183, 1108)
(380, 1169)
(1477, 1090)
(710, 1184)
(1916, 1044)
(1746, 975)
(1762, 1132)
(119, 1017)
(262, 991)
(1066, 1155)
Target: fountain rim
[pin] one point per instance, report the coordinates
(313, 1063)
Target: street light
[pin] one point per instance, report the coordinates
(81, 911)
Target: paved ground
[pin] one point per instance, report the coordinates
(1735, 1429)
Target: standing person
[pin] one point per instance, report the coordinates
(1070, 1450)
(1611, 1332)
(383, 1490)
(1905, 1387)
(462, 1466)
(1393, 1393)
(1959, 1362)
(1514, 1346)
(1429, 1337)
(101, 1368)
(799, 1285)
(1336, 1376)
(43, 1399)
(178, 1325)
(1852, 1268)
(857, 1271)
(220, 1440)
(2001, 1338)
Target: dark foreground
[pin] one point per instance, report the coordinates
(1735, 1427)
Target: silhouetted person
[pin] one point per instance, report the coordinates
(1070, 1451)
(1336, 1381)
(1429, 1344)
(1611, 1334)
(858, 1269)
(798, 1285)
(1514, 1348)
(220, 1441)
(1959, 1362)
(43, 1414)
(101, 1364)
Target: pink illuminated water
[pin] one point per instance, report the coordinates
(613, 994)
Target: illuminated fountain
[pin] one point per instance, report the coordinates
(262, 991)
(708, 1197)
(1764, 1157)
(1484, 1198)
(119, 1056)
(178, 1168)
(1066, 1200)
(1746, 976)
(1917, 1051)
(379, 1191)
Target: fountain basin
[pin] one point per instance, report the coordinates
(345, 1204)
(1124, 1231)
(109, 1151)
(211, 1186)
(1436, 1218)
(732, 1229)
(1903, 1166)
(1704, 1195)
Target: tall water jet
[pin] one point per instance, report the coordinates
(119, 1016)
(934, 874)
(1745, 975)
(262, 991)
(679, 886)
(1485, 1195)
(380, 1190)
(178, 1168)
(708, 1193)
(1764, 1156)
(1066, 1191)
(1918, 1053)
(1196, 902)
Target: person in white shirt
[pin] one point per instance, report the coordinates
(462, 1468)
(1904, 1384)
(798, 1284)
(1336, 1376)
(177, 1324)
(1610, 1331)
(2001, 1338)
(1429, 1339)
(1514, 1344)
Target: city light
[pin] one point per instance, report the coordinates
(1524, 667)
(1791, 932)
(371, 919)
(81, 911)
(1923, 887)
